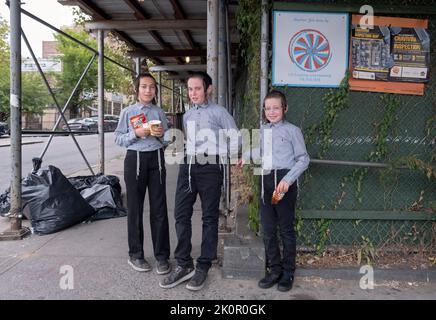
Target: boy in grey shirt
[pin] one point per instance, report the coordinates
(144, 166)
(201, 173)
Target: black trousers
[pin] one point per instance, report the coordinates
(281, 216)
(149, 177)
(206, 180)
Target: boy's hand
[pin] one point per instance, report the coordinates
(142, 132)
(282, 187)
(157, 132)
(240, 163)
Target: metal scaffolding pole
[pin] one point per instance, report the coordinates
(173, 96)
(229, 64)
(16, 230)
(65, 108)
(264, 39)
(100, 40)
(221, 88)
(228, 92)
(138, 65)
(222, 52)
(72, 38)
(180, 105)
(53, 96)
(212, 45)
(159, 93)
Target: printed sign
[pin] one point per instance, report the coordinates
(371, 52)
(310, 49)
(393, 57)
(138, 121)
(411, 54)
(47, 65)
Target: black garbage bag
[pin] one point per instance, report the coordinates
(52, 201)
(101, 197)
(5, 202)
(83, 182)
(103, 193)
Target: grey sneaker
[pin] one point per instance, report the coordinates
(140, 265)
(197, 281)
(176, 277)
(163, 267)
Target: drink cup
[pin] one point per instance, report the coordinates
(154, 125)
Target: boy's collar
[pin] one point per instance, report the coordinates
(145, 105)
(277, 124)
(203, 105)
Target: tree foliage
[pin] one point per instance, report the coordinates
(74, 60)
(35, 96)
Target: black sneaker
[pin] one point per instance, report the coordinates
(140, 265)
(285, 283)
(269, 280)
(163, 267)
(176, 277)
(197, 281)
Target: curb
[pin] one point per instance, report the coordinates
(244, 258)
(356, 273)
(22, 143)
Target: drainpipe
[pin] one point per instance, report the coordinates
(222, 61)
(100, 39)
(229, 64)
(138, 66)
(212, 45)
(173, 94)
(16, 230)
(159, 85)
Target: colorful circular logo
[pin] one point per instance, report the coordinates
(310, 50)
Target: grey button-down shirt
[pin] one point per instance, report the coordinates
(206, 128)
(125, 134)
(288, 150)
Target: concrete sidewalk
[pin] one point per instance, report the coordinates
(96, 253)
(6, 142)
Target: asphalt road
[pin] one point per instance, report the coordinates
(61, 153)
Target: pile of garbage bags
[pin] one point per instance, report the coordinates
(53, 202)
(5, 202)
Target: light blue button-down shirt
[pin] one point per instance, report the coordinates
(125, 134)
(204, 126)
(288, 150)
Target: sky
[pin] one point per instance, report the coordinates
(48, 10)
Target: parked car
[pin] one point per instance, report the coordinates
(4, 128)
(78, 124)
(110, 122)
(71, 121)
(113, 120)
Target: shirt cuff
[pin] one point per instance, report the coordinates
(288, 178)
(132, 136)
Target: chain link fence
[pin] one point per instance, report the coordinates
(388, 208)
(354, 190)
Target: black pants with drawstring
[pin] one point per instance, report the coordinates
(281, 216)
(206, 181)
(149, 177)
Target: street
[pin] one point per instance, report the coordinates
(61, 153)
